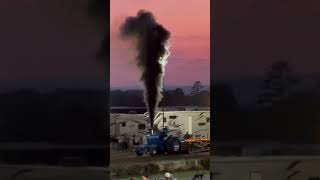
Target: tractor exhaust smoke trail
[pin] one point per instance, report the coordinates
(153, 50)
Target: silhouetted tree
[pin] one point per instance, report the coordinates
(279, 82)
(226, 120)
(134, 98)
(178, 92)
(294, 119)
(197, 86)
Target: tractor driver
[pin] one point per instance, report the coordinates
(187, 135)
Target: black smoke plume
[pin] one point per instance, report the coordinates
(152, 43)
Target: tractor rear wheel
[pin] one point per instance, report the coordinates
(173, 145)
(185, 147)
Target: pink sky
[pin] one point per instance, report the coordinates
(189, 24)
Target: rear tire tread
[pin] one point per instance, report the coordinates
(169, 145)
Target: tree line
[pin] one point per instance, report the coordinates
(62, 116)
(134, 98)
(285, 110)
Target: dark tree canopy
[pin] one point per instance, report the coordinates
(278, 83)
(64, 116)
(134, 98)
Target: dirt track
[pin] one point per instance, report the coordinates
(119, 158)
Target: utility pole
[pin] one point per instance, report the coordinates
(163, 118)
(115, 128)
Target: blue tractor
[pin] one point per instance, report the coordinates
(160, 142)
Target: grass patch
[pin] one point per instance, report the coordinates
(178, 175)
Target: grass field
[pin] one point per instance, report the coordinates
(185, 175)
(52, 173)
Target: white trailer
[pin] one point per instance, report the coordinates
(178, 122)
(196, 123)
(130, 124)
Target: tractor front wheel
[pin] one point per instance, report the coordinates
(153, 152)
(139, 153)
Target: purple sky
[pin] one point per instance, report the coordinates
(48, 44)
(189, 24)
(251, 34)
(53, 43)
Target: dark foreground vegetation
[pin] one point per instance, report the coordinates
(62, 127)
(61, 116)
(153, 169)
